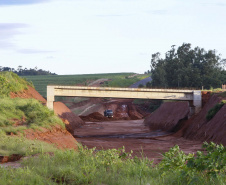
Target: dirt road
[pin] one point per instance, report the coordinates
(133, 135)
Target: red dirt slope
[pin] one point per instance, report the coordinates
(70, 119)
(167, 116)
(58, 136)
(61, 137)
(198, 128)
(29, 93)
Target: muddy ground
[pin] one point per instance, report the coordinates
(133, 135)
(127, 128)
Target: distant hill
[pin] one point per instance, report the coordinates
(27, 72)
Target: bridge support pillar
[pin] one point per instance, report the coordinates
(197, 101)
(50, 97)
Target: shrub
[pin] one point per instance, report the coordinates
(174, 159)
(212, 162)
(211, 113)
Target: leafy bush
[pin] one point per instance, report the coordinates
(174, 159)
(211, 113)
(212, 162)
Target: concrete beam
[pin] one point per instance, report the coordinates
(136, 93)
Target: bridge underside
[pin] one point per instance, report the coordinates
(194, 97)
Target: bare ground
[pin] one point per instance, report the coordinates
(133, 135)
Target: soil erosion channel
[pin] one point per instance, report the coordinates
(133, 135)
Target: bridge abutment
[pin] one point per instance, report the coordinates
(50, 97)
(197, 101)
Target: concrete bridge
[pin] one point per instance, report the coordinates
(193, 96)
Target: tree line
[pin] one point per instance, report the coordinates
(187, 67)
(26, 72)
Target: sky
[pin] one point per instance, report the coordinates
(105, 36)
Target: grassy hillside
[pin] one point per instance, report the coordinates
(20, 114)
(11, 82)
(117, 80)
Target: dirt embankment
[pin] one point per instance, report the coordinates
(123, 109)
(70, 119)
(167, 116)
(28, 93)
(172, 116)
(56, 135)
(199, 128)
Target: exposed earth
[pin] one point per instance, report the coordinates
(133, 126)
(133, 135)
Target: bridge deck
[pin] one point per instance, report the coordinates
(111, 92)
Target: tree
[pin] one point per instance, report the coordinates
(187, 67)
(24, 72)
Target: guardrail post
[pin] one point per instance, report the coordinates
(50, 97)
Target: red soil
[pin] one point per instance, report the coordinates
(95, 116)
(170, 116)
(205, 97)
(56, 135)
(61, 137)
(70, 119)
(148, 147)
(167, 116)
(123, 109)
(198, 128)
(11, 158)
(29, 93)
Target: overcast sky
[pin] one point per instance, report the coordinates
(105, 36)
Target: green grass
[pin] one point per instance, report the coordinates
(30, 113)
(115, 166)
(117, 80)
(213, 111)
(120, 81)
(19, 145)
(11, 82)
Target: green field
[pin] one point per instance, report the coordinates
(117, 80)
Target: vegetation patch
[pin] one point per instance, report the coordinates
(19, 145)
(185, 67)
(115, 166)
(212, 112)
(19, 114)
(124, 81)
(11, 82)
